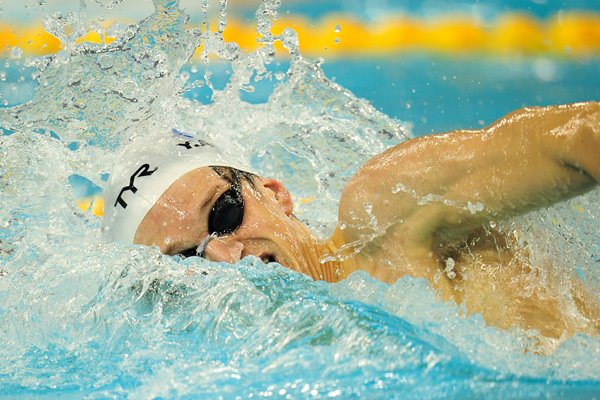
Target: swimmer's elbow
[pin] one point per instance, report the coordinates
(581, 149)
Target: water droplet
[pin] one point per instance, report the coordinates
(475, 207)
(75, 78)
(337, 29)
(16, 52)
(546, 70)
(289, 38)
(449, 270)
(129, 90)
(105, 61)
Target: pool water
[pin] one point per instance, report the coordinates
(439, 94)
(81, 317)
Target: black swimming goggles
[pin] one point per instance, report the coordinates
(226, 215)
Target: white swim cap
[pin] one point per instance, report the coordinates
(146, 169)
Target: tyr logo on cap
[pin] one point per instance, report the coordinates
(189, 146)
(142, 171)
(187, 136)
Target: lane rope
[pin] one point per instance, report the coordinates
(565, 34)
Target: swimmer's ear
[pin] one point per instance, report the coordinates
(282, 195)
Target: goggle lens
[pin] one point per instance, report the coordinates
(227, 213)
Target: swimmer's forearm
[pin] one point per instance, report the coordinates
(533, 158)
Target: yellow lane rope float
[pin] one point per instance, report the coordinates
(94, 204)
(565, 34)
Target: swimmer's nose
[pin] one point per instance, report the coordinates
(224, 251)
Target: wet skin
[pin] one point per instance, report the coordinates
(423, 208)
(179, 221)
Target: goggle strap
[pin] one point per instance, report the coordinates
(202, 246)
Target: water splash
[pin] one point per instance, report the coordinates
(95, 92)
(79, 315)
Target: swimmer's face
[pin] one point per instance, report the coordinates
(179, 221)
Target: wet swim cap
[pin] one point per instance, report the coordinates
(146, 169)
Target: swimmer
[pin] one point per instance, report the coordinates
(423, 208)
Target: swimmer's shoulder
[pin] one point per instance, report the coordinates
(389, 186)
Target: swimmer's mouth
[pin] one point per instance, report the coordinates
(268, 258)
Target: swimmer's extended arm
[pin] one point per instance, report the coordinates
(445, 186)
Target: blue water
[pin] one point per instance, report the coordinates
(84, 318)
(442, 94)
(367, 10)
